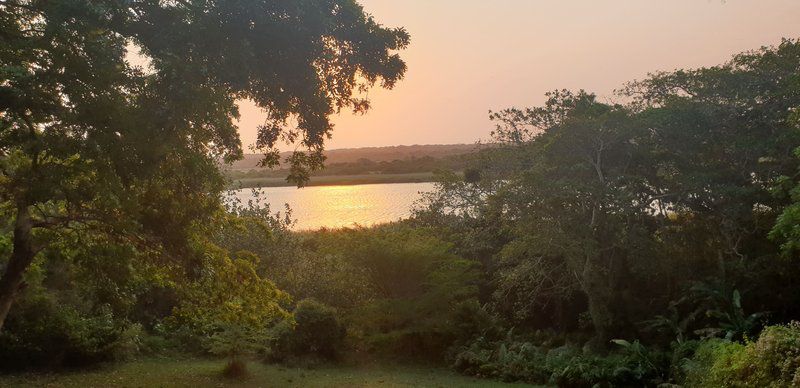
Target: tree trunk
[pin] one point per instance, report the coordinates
(721, 266)
(598, 295)
(21, 257)
(596, 286)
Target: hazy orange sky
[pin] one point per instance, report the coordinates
(469, 56)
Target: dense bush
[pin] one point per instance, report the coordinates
(315, 332)
(515, 359)
(771, 361)
(401, 329)
(74, 310)
(45, 333)
(401, 290)
(506, 360)
(419, 290)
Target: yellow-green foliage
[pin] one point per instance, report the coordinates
(230, 293)
(771, 361)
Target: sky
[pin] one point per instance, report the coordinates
(470, 56)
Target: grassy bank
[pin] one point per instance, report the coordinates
(206, 373)
(333, 180)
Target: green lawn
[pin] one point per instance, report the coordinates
(206, 373)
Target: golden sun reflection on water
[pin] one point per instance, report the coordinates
(343, 206)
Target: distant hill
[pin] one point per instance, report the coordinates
(375, 154)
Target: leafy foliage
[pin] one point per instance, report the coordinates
(733, 322)
(58, 325)
(230, 298)
(314, 331)
(601, 198)
(666, 218)
(400, 290)
(771, 361)
(585, 231)
(89, 141)
(517, 360)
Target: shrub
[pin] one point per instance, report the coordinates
(425, 295)
(408, 328)
(405, 292)
(315, 332)
(472, 320)
(508, 361)
(40, 332)
(776, 355)
(681, 352)
(578, 370)
(152, 344)
(518, 360)
(713, 363)
(772, 361)
(235, 342)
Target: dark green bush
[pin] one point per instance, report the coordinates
(316, 332)
(472, 320)
(505, 360)
(40, 332)
(631, 364)
(157, 344)
(681, 353)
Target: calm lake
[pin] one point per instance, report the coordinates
(338, 206)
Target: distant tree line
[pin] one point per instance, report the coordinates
(366, 166)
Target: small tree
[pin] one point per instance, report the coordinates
(232, 307)
(235, 341)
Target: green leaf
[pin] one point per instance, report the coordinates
(621, 342)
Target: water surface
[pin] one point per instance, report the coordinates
(340, 206)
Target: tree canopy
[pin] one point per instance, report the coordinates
(587, 202)
(90, 142)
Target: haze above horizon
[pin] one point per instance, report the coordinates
(468, 57)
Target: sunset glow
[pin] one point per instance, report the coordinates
(543, 193)
(467, 57)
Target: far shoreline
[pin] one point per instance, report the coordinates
(337, 180)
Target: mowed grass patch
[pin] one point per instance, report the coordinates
(207, 373)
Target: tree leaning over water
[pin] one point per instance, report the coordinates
(91, 144)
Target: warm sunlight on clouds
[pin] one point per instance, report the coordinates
(469, 56)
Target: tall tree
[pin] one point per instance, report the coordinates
(90, 142)
(604, 198)
(721, 139)
(580, 197)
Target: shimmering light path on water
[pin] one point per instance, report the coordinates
(339, 206)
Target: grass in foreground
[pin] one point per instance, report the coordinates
(207, 373)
